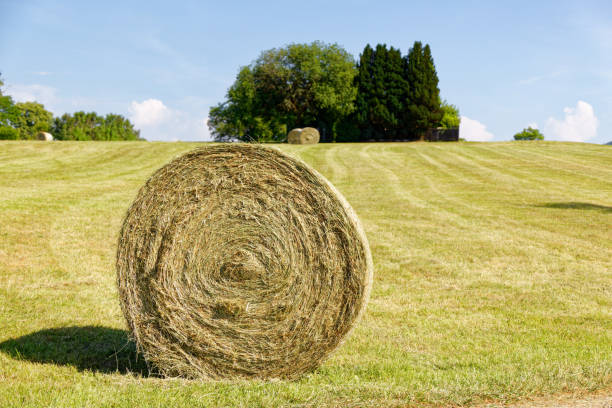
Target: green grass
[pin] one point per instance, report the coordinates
(493, 276)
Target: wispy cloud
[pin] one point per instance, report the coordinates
(44, 94)
(579, 124)
(537, 78)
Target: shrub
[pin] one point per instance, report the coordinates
(529, 134)
(8, 133)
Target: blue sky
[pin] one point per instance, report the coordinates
(506, 65)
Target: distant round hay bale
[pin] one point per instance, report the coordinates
(294, 136)
(308, 135)
(45, 136)
(237, 260)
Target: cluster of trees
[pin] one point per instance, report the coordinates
(20, 120)
(383, 96)
(296, 86)
(24, 120)
(91, 126)
(397, 96)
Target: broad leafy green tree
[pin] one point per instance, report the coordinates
(295, 86)
(423, 106)
(529, 134)
(8, 116)
(241, 117)
(117, 127)
(450, 116)
(32, 118)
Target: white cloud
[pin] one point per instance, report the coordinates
(473, 130)
(149, 112)
(580, 124)
(537, 78)
(33, 92)
(532, 125)
(158, 122)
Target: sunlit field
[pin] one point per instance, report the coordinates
(493, 276)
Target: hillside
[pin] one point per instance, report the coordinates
(493, 276)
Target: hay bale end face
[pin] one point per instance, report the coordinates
(308, 135)
(237, 260)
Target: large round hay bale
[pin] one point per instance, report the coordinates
(237, 260)
(308, 135)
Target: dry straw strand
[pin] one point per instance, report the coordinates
(307, 135)
(238, 261)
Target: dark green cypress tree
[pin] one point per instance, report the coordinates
(422, 110)
(379, 114)
(365, 92)
(381, 90)
(396, 89)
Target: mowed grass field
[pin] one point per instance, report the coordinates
(493, 277)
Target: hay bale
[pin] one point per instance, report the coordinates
(294, 136)
(236, 260)
(308, 135)
(45, 136)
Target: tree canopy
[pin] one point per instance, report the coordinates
(450, 116)
(397, 97)
(8, 116)
(423, 111)
(91, 126)
(31, 118)
(382, 96)
(382, 90)
(529, 134)
(295, 86)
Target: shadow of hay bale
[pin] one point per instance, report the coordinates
(578, 206)
(93, 348)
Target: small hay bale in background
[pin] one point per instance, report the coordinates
(294, 136)
(44, 136)
(308, 135)
(237, 260)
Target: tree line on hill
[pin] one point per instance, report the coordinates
(24, 120)
(382, 96)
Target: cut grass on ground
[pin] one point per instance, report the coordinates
(493, 276)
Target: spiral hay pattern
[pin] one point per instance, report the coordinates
(308, 135)
(236, 260)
